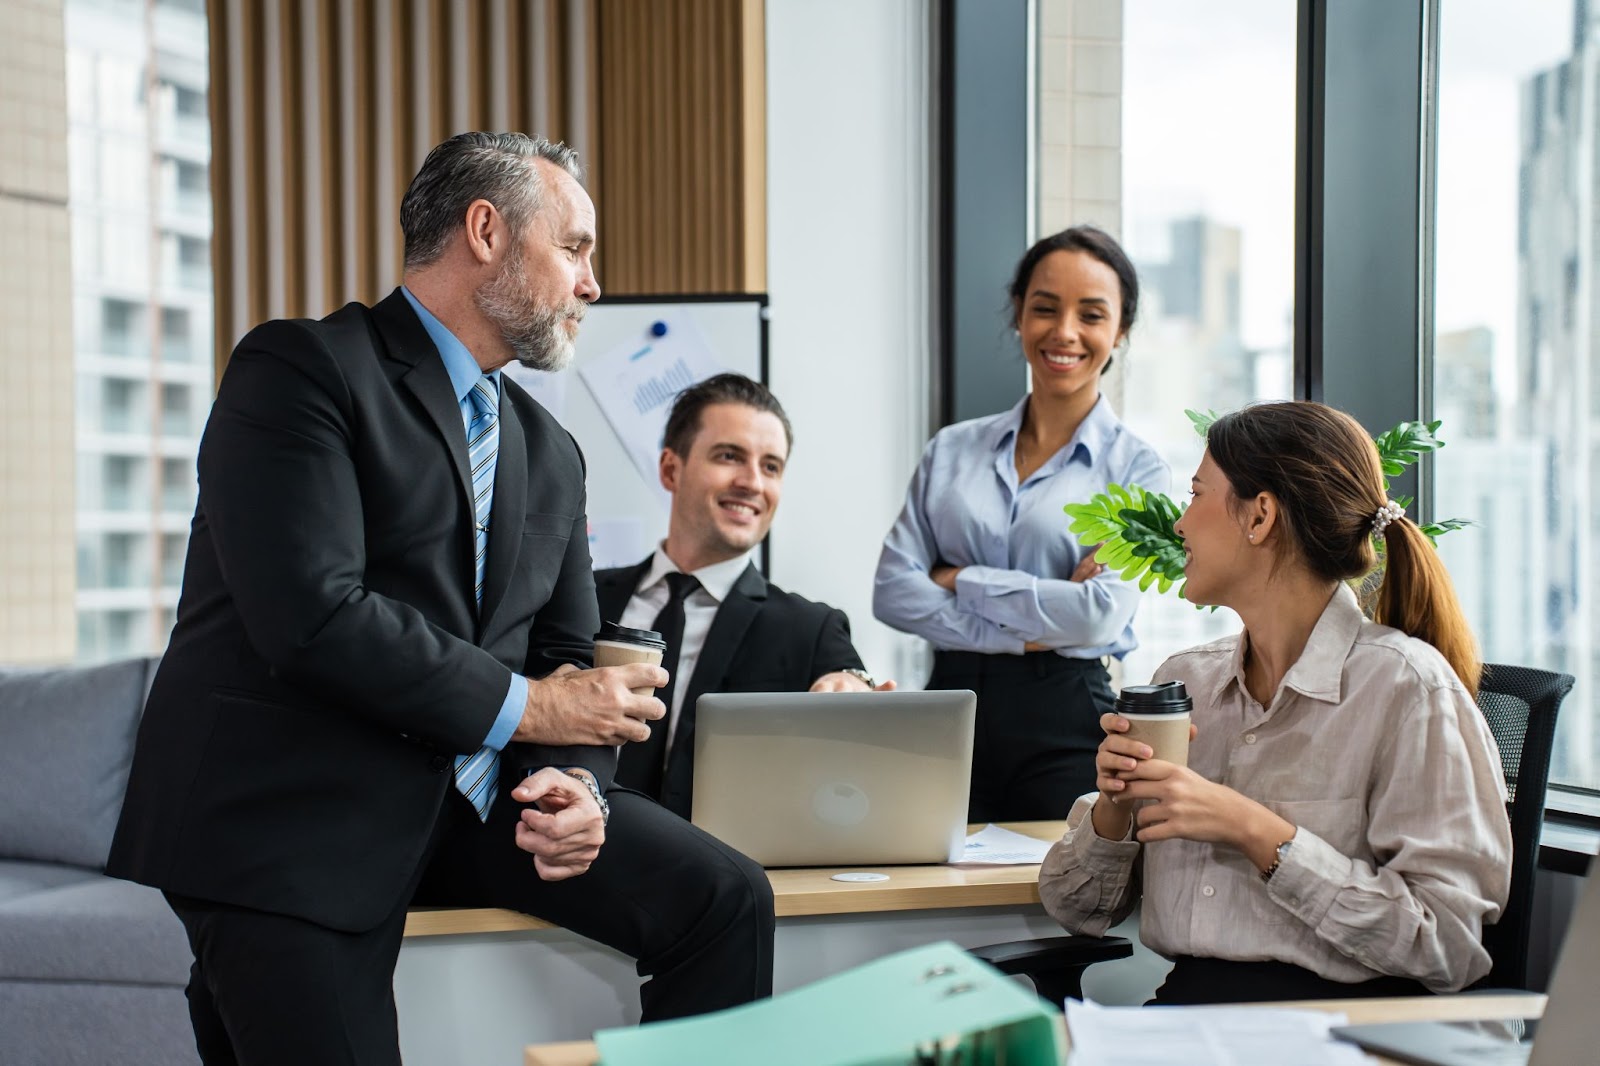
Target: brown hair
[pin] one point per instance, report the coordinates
(683, 421)
(1324, 471)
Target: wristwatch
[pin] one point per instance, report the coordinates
(594, 790)
(857, 672)
(1277, 860)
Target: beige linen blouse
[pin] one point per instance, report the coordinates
(1375, 751)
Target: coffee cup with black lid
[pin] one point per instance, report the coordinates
(1158, 715)
(618, 645)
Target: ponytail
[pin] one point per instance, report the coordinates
(1418, 599)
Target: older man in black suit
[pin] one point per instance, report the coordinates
(378, 688)
(728, 629)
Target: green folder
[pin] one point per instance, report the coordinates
(931, 1006)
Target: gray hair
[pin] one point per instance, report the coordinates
(497, 167)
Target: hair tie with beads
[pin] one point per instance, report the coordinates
(1389, 512)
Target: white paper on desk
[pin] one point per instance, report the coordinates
(1204, 1036)
(993, 846)
(635, 383)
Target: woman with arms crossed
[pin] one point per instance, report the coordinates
(1340, 829)
(980, 562)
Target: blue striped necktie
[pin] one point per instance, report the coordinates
(476, 773)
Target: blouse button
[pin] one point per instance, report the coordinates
(1208, 891)
(1249, 738)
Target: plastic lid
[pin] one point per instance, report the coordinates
(1167, 698)
(623, 635)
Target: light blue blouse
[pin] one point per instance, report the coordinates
(964, 508)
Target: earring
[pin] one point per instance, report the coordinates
(1252, 536)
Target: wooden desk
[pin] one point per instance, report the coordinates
(800, 892)
(1360, 1011)
(500, 981)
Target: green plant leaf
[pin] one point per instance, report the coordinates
(1201, 421)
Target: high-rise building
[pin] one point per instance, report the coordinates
(1556, 404)
(140, 205)
(1186, 352)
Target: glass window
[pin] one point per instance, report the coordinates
(1514, 364)
(137, 146)
(1208, 217)
(176, 415)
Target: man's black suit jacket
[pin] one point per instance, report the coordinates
(762, 639)
(328, 660)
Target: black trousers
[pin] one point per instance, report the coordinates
(1196, 980)
(697, 915)
(1037, 731)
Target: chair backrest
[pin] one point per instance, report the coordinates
(1520, 704)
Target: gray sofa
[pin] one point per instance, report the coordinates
(92, 969)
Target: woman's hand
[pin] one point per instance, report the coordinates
(1087, 567)
(1185, 806)
(1117, 756)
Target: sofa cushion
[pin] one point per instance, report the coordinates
(18, 879)
(66, 740)
(98, 930)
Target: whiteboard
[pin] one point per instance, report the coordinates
(627, 509)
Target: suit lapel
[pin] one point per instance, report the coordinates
(505, 515)
(408, 343)
(614, 588)
(728, 629)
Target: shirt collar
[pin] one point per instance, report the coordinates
(463, 369)
(1319, 672)
(717, 579)
(1093, 436)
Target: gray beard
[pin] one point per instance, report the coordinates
(537, 336)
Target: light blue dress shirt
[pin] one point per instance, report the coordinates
(464, 373)
(964, 508)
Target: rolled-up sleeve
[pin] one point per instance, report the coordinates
(1089, 883)
(1441, 871)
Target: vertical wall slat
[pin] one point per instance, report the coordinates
(322, 110)
(223, 135)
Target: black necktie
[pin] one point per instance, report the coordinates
(643, 763)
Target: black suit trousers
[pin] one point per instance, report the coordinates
(696, 914)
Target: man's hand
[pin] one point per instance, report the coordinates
(945, 576)
(592, 706)
(839, 681)
(564, 830)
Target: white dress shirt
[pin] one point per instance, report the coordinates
(1380, 758)
(699, 609)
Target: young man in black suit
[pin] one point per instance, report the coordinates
(378, 688)
(728, 629)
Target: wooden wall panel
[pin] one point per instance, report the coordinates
(682, 132)
(322, 110)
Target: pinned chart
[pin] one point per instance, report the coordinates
(634, 354)
(635, 382)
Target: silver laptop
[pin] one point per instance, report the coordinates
(835, 778)
(1569, 1032)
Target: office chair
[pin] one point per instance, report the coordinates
(1520, 704)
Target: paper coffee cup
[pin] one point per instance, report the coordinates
(618, 645)
(1158, 715)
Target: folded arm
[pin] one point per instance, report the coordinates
(905, 596)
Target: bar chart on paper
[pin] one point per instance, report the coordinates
(634, 355)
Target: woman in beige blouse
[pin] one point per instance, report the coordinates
(1340, 829)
